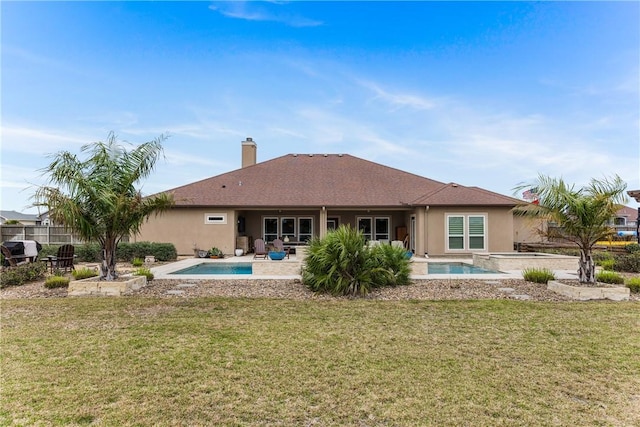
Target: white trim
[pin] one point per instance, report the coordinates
(465, 231)
(215, 218)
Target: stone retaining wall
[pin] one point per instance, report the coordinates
(92, 286)
(584, 293)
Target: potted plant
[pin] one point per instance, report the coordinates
(215, 253)
(276, 254)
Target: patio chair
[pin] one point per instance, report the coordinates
(64, 258)
(278, 245)
(10, 259)
(259, 249)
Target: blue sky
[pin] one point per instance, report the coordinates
(482, 94)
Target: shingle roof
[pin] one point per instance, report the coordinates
(627, 212)
(8, 215)
(331, 180)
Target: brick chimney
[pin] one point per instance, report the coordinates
(249, 152)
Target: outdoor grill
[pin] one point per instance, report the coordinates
(17, 248)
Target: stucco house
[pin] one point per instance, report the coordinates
(298, 196)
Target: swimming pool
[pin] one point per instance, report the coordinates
(217, 268)
(457, 268)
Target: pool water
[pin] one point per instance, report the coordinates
(217, 268)
(456, 268)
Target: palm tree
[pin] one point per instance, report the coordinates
(97, 199)
(581, 215)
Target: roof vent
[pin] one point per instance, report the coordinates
(295, 155)
(326, 155)
(453, 184)
(310, 155)
(340, 155)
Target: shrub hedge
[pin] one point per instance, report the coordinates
(22, 274)
(91, 252)
(628, 262)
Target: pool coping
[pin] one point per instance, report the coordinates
(163, 271)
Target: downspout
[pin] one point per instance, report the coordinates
(426, 231)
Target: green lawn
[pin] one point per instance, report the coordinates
(215, 361)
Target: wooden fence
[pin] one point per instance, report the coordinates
(44, 234)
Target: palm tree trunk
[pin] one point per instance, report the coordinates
(108, 270)
(586, 267)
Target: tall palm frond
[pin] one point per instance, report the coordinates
(97, 197)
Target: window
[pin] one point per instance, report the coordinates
(619, 221)
(305, 229)
(288, 228)
(476, 232)
(364, 225)
(270, 226)
(215, 218)
(297, 229)
(456, 232)
(374, 228)
(382, 228)
(466, 232)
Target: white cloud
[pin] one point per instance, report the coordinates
(399, 100)
(31, 140)
(254, 11)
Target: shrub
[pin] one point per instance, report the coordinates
(342, 264)
(607, 264)
(628, 262)
(84, 273)
(56, 282)
(137, 262)
(633, 284)
(632, 248)
(88, 252)
(394, 259)
(600, 257)
(144, 271)
(609, 277)
(538, 275)
(48, 250)
(22, 274)
(161, 251)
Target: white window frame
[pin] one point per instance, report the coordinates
(466, 235)
(292, 236)
(387, 235)
(483, 235)
(448, 235)
(215, 218)
(266, 236)
(306, 236)
(373, 235)
(369, 235)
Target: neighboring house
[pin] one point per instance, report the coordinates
(626, 217)
(299, 196)
(23, 219)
